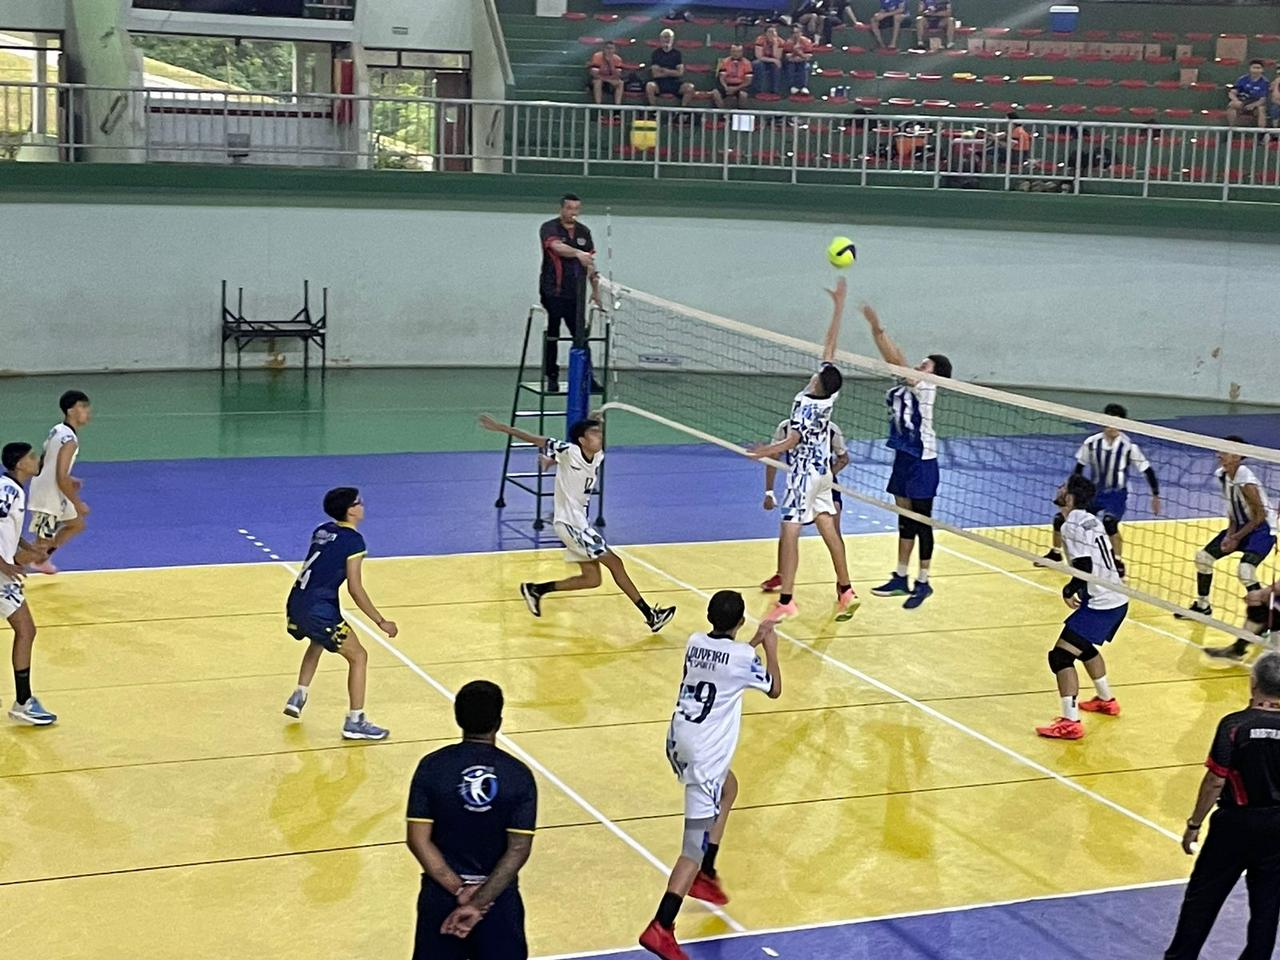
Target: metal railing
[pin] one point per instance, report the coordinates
(429, 134)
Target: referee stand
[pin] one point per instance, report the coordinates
(555, 412)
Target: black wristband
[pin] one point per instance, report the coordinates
(1194, 826)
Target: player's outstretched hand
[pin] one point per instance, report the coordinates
(770, 502)
(389, 628)
(462, 921)
(1072, 600)
(838, 294)
(489, 423)
(82, 508)
(873, 318)
(757, 451)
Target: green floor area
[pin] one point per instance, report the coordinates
(153, 416)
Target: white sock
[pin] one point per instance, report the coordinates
(1103, 688)
(355, 715)
(901, 570)
(923, 575)
(1203, 598)
(1069, 708)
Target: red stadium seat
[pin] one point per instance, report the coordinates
(1163, 36)
(969, 104)
(1037, 107)
(867, 101)
(1268, 38)
(1097, 82)
(591, 41)
(928, 77)
(1167, 85)
(1065, 81)
(1158, 173)
(1122, 170)
(837, 100)
(767, 97)
(1159, 60)
(1072, 108)
(720, 44)
(995, 31)
(1205, 85)
(801, 98)
(638, 18)
(887, 52)
(1131, 36)
(1019, 55)
(994, 78)
(901, 102)
(1056, 57)
(986, 54)
(1122, 58)
(1199, 37)
(608, 17)
(1097, 34)
(936, 104)
(689, 44)
(831, 72)
(1178, 113)
(1032, 81)
(854, 51)
(1108, 110)
(862, 74)
(571, 15)
(1143, 112)
(1228, 62)
(1192, 61)
(1133, 83)
(897, 75)
(1214, 114)
(1029, 32)
(966, 31)
(1001, 106)
(1088, 57)
(697, 68)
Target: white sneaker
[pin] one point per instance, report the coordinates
(795, 90)
(805, 91)
(33, 713)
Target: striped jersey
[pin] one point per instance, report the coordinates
(838, 448)
(1109, 461)
(1233, 493)
(811, 418)
(911, 419)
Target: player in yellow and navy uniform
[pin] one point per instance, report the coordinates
(335, 556)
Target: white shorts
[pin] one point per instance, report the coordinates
(44, 524)
(807, 495)
(581, 545)
(702, 789)
(11, 597)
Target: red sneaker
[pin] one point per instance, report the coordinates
(772, 585)
(658, 940)
(708, 890)
(1097, 705)
(1062, 729)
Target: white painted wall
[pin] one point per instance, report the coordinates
(45, 15)
(136, 287)
(427, 24)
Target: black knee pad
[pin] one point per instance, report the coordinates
(1058, 521)
(1087, 651)
(1257, 613)
(907, 528)
(1109, 524)
(1060, 660)
(926, 541)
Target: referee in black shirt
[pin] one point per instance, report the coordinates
(1245, 835)
(568, 252)
(472, 809)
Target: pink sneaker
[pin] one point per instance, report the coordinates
(1062, 729)
(1097, 705)
(781, 611)
(44, 566)
(847, 605)
(772, 585)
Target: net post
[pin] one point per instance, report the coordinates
(578, 397)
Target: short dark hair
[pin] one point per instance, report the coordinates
(478, 708)
(1115, 410)
(831, 379)
(570, 198)
(577, 431)
(941, 364)
(12, 453)
(1081, 490)
(1266, 674)
(1257, 61)
(339, 501)
(70, 399)
(725, 610)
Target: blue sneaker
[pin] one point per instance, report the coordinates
(33, 713)
(896, 587)
(297, 700)
(919, 595)
(362, 729)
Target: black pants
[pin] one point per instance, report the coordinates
(498, 936)
(559, 309)
(1240, 841)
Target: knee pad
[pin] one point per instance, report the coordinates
(1247, 571)
(695, 837)
(1109, 524)
(1058, 521)
(907, 528)
(926, 541)
(1204, 561)
(1060, 660)
(1087, 652)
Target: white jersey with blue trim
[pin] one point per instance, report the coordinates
(46, 495)
(838, 447)
(1233, 494)
(13, 510)
(1109, 461)
(911, 419)
(811, 418)
(708, 714)
(575, 479)
(1084, 536)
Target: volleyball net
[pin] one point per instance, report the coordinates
(1002, 456)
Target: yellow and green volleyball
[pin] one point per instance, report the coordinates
(841, 253)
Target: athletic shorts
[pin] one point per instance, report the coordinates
(669, 85)
(702, 797)
(1260, 542)
(806, 496)
(1111, 502)
(1094, 626)
(45, 524)
(498, 936)
(581, 545)
(913, 478)
(725, 93)
(320, 623)
(11, 597)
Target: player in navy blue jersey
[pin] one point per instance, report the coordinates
(336, 554)
(472, 813)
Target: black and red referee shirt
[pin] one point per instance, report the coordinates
(1246, 753)
(561, 275)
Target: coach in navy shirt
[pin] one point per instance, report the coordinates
(1248, 95)
(472, 809)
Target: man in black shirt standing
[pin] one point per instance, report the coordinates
(1246, 827)
(667, 70)
(472, 809)
(568, 253)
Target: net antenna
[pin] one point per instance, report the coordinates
(1002, 455)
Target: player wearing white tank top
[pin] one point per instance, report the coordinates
(57, 512)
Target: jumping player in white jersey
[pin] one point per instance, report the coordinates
(701, 742)
(839, 460)
(1107, 457)
(1097, 611)
(20, 465)
(57, 512)
(577, 464)
(914, 478)
(808, 495)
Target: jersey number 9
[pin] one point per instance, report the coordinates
(704, 694)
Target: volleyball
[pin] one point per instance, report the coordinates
(841, 252)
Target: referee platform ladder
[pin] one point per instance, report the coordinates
(536, 410)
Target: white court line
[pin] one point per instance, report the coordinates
(905, 915)
(931, 711)
(528, 758)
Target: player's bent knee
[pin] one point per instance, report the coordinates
(906, 528)
(1060, 660)
(1204, 561)
(695, 834)
(1247, 571)
(1087, 652)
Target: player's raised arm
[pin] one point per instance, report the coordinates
(771, 451)
(489, 423)
(837, 311)
(767, 638)
(355, 586)
(889, 350)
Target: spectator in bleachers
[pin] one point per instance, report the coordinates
(666, 70)
(733, 79)
(895, 10)
(768, 62)
(1013, 144)
(935, 16)
(605, 68)
(1249, 95)
(797, 53)
(819, 17)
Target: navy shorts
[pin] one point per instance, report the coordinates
(1111, 502)
(1260, 542)
(498, 936)
(1093, 626)
(320, 623)
(913, 478)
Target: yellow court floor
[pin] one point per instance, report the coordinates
(175, 812)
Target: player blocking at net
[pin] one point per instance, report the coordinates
(808, 495)
(1098, 609)
(577, 465)
(701, 742)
